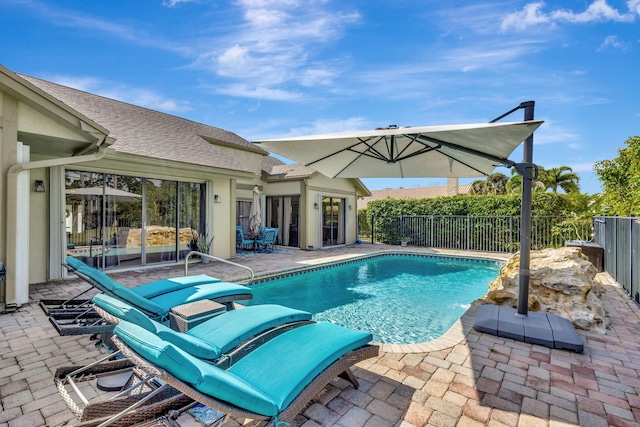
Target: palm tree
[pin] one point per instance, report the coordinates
(560, 177)
(514, 183)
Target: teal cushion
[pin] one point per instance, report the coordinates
(282, 367)
(106, 284)
(122, 310)
(153, 289)
(204, 377)
(158, 352)
(233, 327)
(75, 263)
(192, 345)
(198, 293)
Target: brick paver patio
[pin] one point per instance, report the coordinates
(464, 379)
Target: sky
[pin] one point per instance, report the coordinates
(276, 68)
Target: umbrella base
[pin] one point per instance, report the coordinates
(544, 329)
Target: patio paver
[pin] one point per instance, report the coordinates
(463, 379)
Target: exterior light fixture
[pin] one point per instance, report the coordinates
(216, 199)
(38, 186)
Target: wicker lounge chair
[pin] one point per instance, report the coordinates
(154, 299)
(223, 339)
(272, 383)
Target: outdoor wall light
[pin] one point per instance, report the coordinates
(350, 208)
(315, 206)
(38, 186)
(216, 198)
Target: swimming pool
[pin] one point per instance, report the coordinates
(400, 299)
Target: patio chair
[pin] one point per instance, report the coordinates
(223, 339)
(241, 241)
(155, 299)
(267, 240)
(274, 382)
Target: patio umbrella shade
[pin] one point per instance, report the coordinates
(95, 192)
(255, 214)
(454, 151)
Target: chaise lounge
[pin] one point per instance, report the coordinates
(223, 339)
(273, 383)
(154, 299)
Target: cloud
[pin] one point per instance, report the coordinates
(613, 42)
(245, 90)
(92, 25)
(322, 126)
(132, 95)
(598, 11)
(274, 47)
(174, 3)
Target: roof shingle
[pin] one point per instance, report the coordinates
(145, 132)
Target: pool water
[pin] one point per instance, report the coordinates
(399, 299)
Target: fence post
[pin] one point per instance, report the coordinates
(372, 227)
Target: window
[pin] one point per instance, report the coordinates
(117, 221)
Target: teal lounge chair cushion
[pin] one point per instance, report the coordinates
(75, 263)
(232, 328)
(158, 352)
(202, 376)
(153, 289)
(198, 293)
(192, 345)
(123, 292)
(310, 349)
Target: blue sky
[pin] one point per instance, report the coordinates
(273, 68)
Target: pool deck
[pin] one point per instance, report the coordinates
(464, 378)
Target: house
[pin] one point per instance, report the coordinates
(121, 186)
(451, 189)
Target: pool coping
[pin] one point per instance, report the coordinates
(453, 336)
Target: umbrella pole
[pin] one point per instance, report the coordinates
(525, 212)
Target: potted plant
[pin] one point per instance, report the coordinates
(200, 243)
(404, 241)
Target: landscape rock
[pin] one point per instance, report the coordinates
(562, 282)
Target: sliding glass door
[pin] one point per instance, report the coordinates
(333, 221)
(283, 212)
(124, 221)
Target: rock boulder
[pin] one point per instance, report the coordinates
(562, 282)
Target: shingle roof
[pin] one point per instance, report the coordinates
(414, 193)
(275, 168)
(144, 132)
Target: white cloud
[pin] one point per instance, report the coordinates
(258, 92)
(275, 45)
(174, 3)
(322, 126)
(551, 133)
(614, 43)
(598, 11)
(132, 95)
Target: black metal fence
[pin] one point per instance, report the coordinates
(620, 238)
(478, 233)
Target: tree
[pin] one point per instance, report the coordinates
(620, 179)
(494, 184)
(514, 184)
(561, 176)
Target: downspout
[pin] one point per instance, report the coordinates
(14, 296)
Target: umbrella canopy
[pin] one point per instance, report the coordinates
(95, 192)
(255, 214)
(455, 151)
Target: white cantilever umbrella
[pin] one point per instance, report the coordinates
(455, 151)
